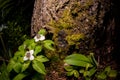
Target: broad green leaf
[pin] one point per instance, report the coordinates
(78, 60)
(37, 49)
(25, 66)
(19, 53)
(10, 65)
(68, 68)
(20, 76)
(28, 42)
(48, 44)
(112, 73)
(92, 72)
(39, 67)
(77, 63)
(42, 32)
(78, 57)
(41, 58)
(76, 73)
(17, 67)
(32, 46)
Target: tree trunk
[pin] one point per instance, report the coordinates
(77, 26)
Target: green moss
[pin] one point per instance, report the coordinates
(72, 39)
(65, 22)
(76, 21)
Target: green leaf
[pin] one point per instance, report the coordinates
(48, 44)
(38, 76)
(78, 60)
(108, 69)
(17, 67)
(25, 66)
(93, 59)
(70, 73)
(20, 76)
(112, 73)
(77, 63)
(10, 65)
(37, 49)
(92, 71)
(68, 68)
(42, 32)
(32, 46)
(4, 74)
(102, 75)
(21, 47)
(86, 73)
(19, 53)
(41, 58)
(28, 42)
(81, 70)
(87, 78)
(79, 57)
(39, 67)
(76, 73)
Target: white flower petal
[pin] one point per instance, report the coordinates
(36, 39)
(31, 57)
(25, 58)
(42, 37)
(31, 51)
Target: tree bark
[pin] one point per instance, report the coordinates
(92, 18)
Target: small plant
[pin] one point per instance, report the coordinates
(87, 66)
(30, 58)
(107, 72)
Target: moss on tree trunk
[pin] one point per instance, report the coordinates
(77, 26)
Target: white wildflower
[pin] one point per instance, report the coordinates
(39, 37)
(29, 55)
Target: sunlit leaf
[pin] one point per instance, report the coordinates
(31, 46)
(21, 47)
(37, 49)
(25, 66)
(79, 57)
(78, 60)
(48, 44)
(17, 67)
(39, 67)
(42, 32)
(41, 58)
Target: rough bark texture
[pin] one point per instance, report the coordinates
(68, 18)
